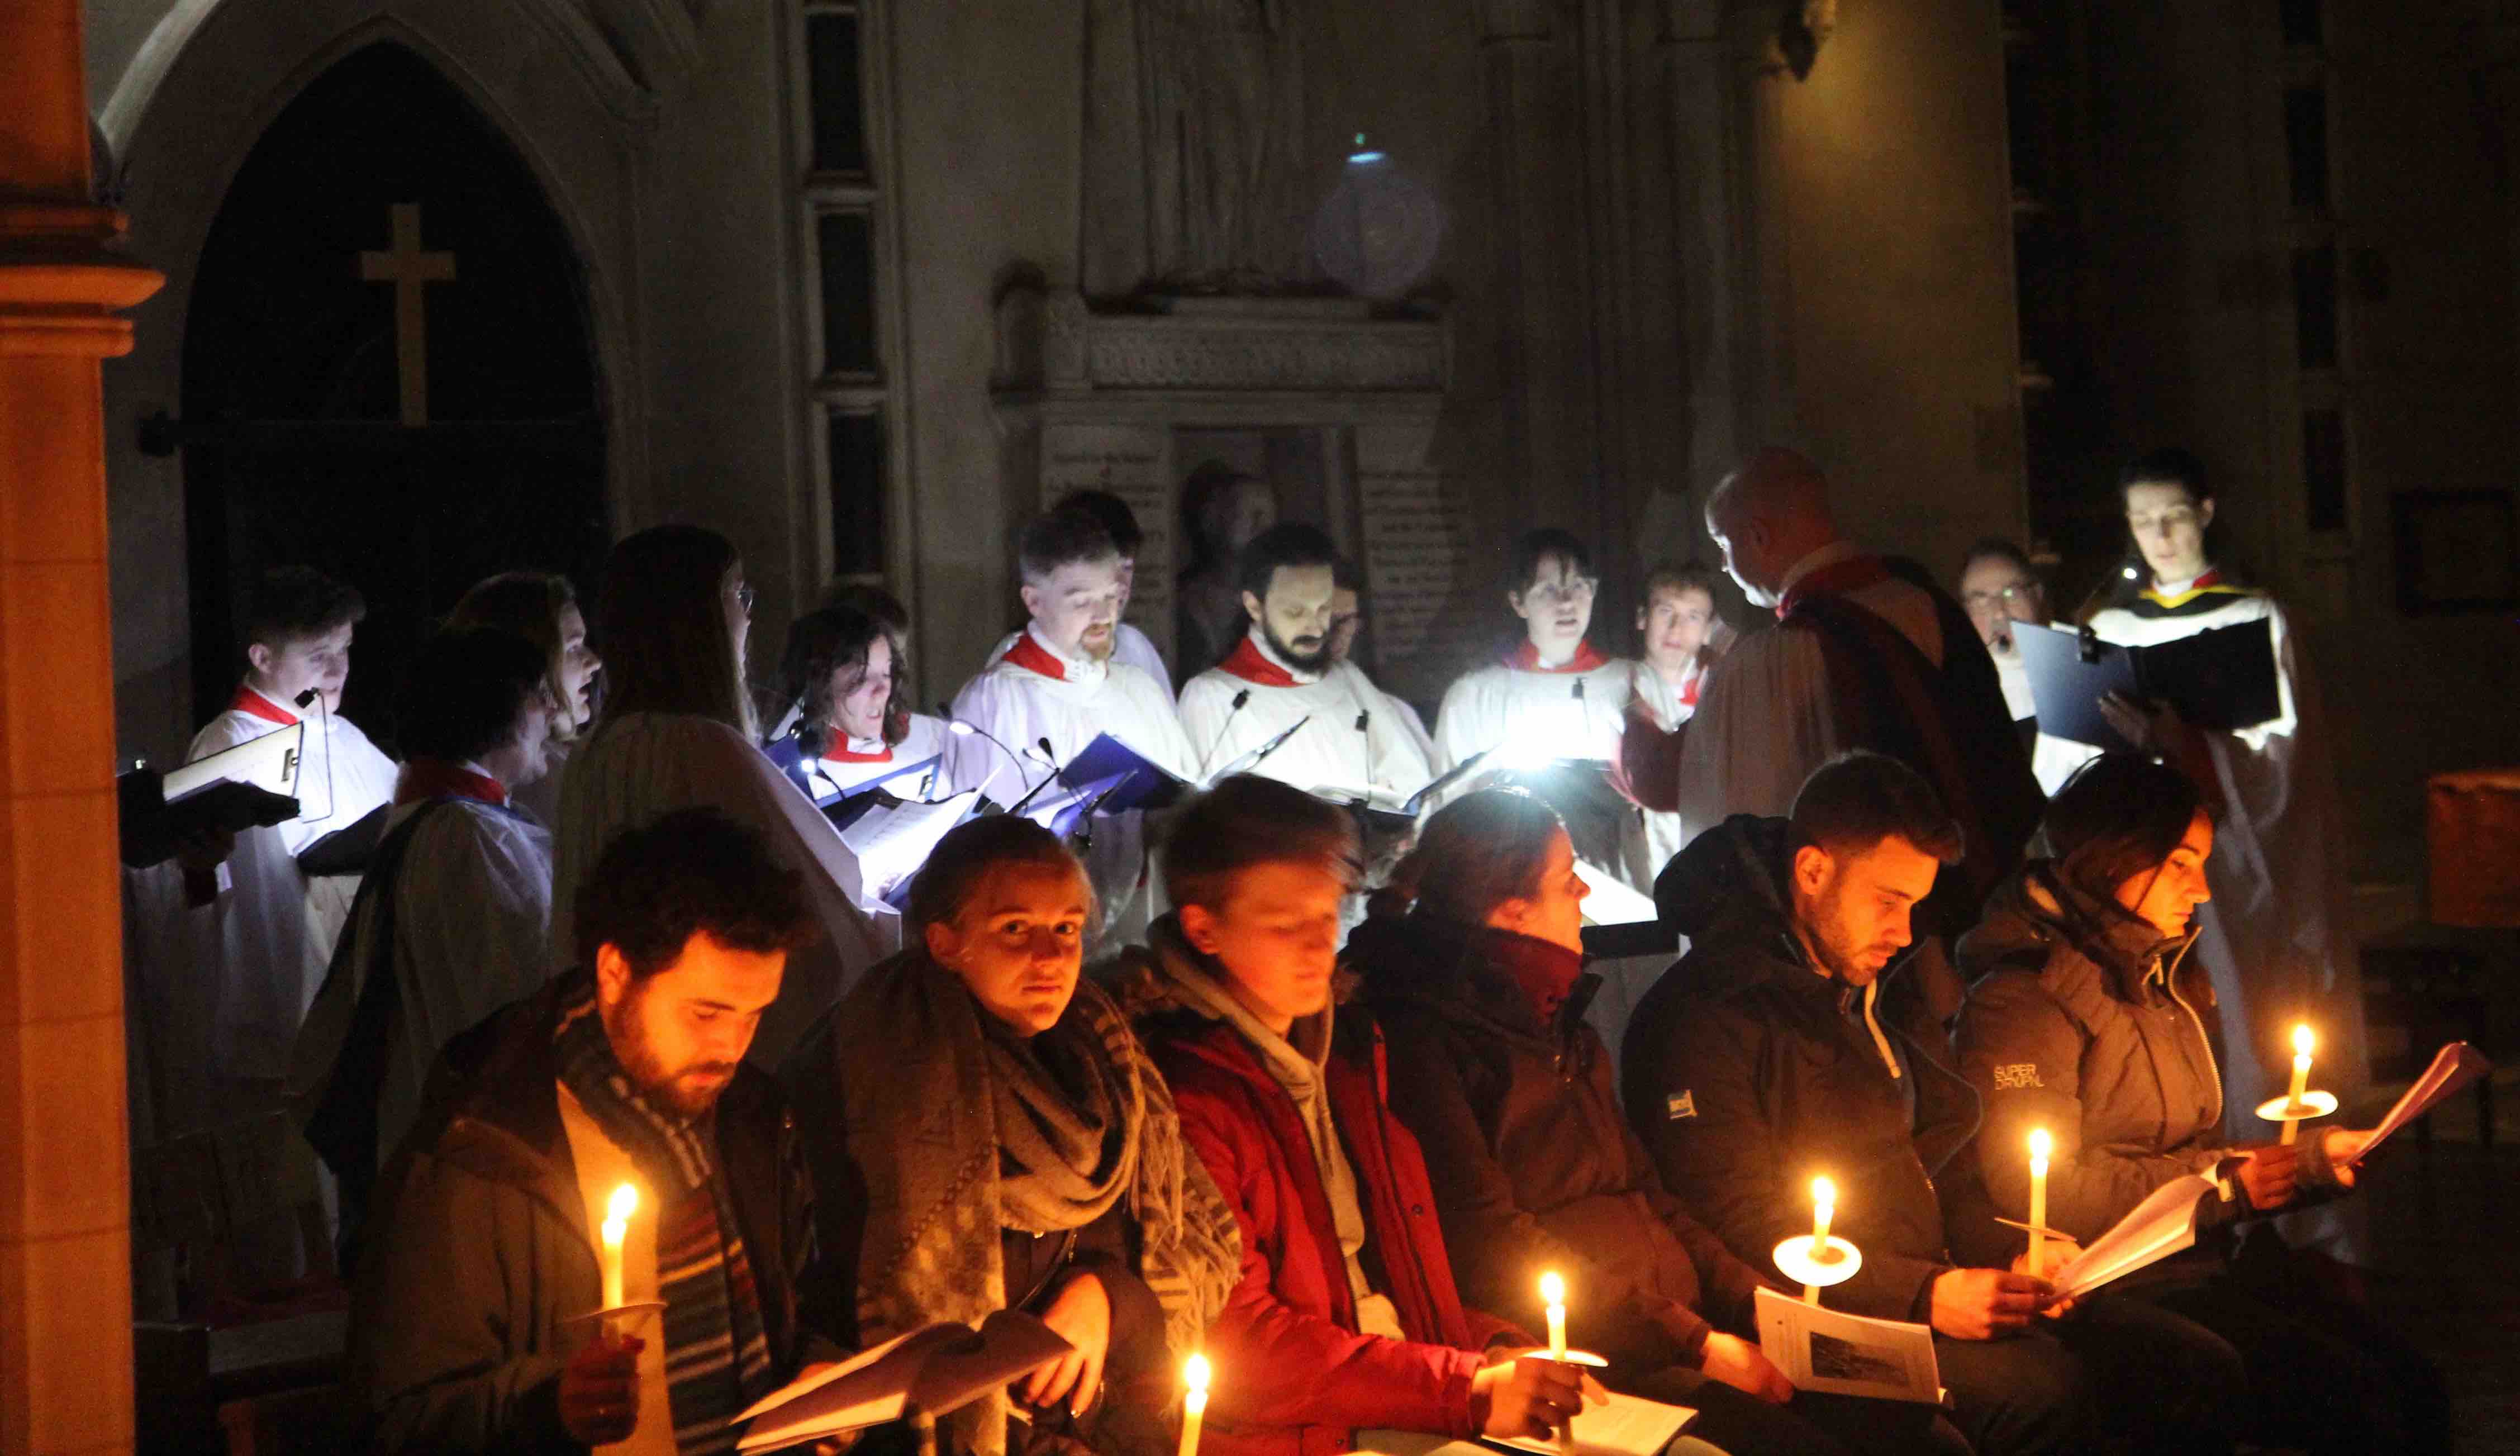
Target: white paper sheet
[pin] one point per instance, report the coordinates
(1626, 1426)
(2454, 1067)
(892, 840)
(2160, 1226)
(938, 1370)
(1846, 1354)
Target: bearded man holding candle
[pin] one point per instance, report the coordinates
(2086, 1017)
(1788, 1043)
(471, 1324)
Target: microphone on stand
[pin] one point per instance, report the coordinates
(1057, 773)
(961, 729)
(1222, 725)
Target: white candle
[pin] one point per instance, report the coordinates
(1552, 1292)
(616, 1228)
(2038, 1197)
(1823, 1208)
(2301, 1044)
(1193, 1404)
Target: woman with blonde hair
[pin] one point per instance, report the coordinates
(678, 730)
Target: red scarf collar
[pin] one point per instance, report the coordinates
(1690, 685)
(256, 705)
(1526, 658)
(425, 779)
(1249, 664)
(1032, 657)
(842, 755)
(1838, 578)
(1544, 972)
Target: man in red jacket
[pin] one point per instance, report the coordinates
(1346, 1318)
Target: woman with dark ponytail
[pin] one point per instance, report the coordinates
(1473, 963)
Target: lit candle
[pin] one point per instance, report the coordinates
(616, 1228)
(2038, 1197)
(1823, 1209)
(1553, 1292)
(1193, 1404)
(2301, 1044)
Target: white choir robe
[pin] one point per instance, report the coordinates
(275, 924)
(472, 932)
(1402, 709)
(1656, 837)
(1128, 644)
(863, 760)
(1328, 754)
(2277, 936)
(2053, 759)
(1766, 718)
(1571, 712)
(1033, 692)
(638, 766)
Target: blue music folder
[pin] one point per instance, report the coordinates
(1142, 784)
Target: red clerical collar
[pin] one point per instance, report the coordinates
(256, 705)
(425, 779)
(1249, 664)
(841, 753)
(1854, 574)
(1033, 657)
(1689, 687)
(1526, 658)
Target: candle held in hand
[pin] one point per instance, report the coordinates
(1552, 1292)
(2301, 1045)
(1823, 1209)
(1193, 1404)
(616, 1229)
(2039, 1146)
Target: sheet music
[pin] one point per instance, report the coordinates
(1612, 901)
(2454, 1067)
(268, 762)
(1252, 759)
(892, 840)
(2160, 1226)
(1846, 1354)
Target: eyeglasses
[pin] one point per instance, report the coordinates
(2020, 592)
(1551, 594)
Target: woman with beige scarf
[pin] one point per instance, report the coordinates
(985, 1132)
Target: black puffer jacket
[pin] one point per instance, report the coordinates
(1532, 1167)
(2084, 1020)
(1748, 1073)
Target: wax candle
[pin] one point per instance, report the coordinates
(2038, 1197)
(2301, 1044)
(616, 1228)
(1193, 1404)
(1823, 1209)
(1552, 1292)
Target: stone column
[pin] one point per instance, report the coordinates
(1708, 198)
(65, 1185)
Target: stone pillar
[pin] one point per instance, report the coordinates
(65, 1184)
(1709, 198)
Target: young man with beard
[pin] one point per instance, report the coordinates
(1060, 685)
(466, 1328)
(1788, 1045)
(1279, 675)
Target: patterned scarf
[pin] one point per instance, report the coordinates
(961, 1137)
(717, 1360)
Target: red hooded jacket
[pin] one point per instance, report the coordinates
(1304, 1382)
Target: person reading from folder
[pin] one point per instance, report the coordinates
(835, 685)
(542, 608)
(2086, 1017)
(1279, 676)
(678, 730)
(1791, 1043)
(927, 736)
(1475, 967)
(467, 1329)
(2001, 589)
(2276, 936)
(1346, 1319)
(1128, 644)
(989, 1134)
(1059, 687)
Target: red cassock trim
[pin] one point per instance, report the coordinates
(1247, 663)
(253, 705)
(1033, 657)
(1526, 658)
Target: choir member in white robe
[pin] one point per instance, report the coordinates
(2276, 936)
(275, 924)
(1999, 589)
(678, 731)
(1129, 645)
(1678, 625)
(542, 608)
(846, 725)
(454, 919)
(1351, 744)
(1058, 688)
(1347, 623)
(1553, 696)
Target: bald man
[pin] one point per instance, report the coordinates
(1869, 654)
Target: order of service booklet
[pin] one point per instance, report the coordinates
(1625, 1427)
(1847, 1354)
(933, 1372)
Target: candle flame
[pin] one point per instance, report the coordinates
(1552, 1289)
(2301, 1041)
(624, 1203)
(1823, 1191)
(1194, 1374)
(2039, 1143)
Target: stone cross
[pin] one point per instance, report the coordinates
(409, 270)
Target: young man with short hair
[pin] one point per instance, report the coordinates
(1346, 1318)
(467, 1328)
(1787, 1045)
(1678, 627)
(1279, 676)
(453, 920)
(1553, 695)
(1060, 683)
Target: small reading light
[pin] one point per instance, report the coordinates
(1363, 155)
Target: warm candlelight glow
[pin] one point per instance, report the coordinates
(2302, 1041)
(2040, 1144)
(624, 1204)
(1823, 1209)
(1553, 1290)
(1193, 1404)
(616, 1230)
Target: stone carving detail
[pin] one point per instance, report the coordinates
(1182, 355)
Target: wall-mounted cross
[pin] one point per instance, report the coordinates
(409, 270)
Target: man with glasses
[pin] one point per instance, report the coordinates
(1551, 696)
(1999, 589)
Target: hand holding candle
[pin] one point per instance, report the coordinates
(1552, 1292)
(1193, 1404)
(616, 1229)
(2039, 1148)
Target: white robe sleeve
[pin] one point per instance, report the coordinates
(990, 704)
(1207, 716)
(1465, 723)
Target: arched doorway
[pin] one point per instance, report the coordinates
(300, 355)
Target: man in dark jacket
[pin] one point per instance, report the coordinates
(467, 1328)
(1786, 1046)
